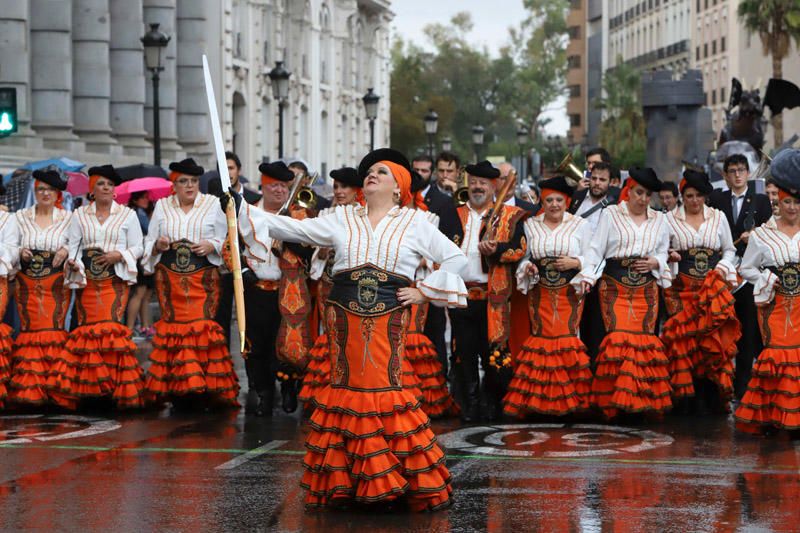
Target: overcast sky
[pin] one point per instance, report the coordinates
(491, 19)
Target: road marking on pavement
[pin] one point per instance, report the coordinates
(252, 454)
(24, 427)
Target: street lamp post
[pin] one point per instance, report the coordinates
(522, 139)
(431, 125)
(154, 42)
(477, 140)
(371, 107)
(279, 77)
(447, 144)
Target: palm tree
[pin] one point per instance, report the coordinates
(623, 129)
(777, 22)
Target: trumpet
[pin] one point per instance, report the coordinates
(301, 193)
(461, 196)
(568, 169)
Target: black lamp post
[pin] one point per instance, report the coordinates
(431, 125)
(447, 144)
(522, 139)
(154, 42)
(279, 77)
(371, 107)
(477, 140)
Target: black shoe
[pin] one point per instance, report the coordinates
(289, 396)
(264, 406)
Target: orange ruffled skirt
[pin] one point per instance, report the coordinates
(102, 356)
(6, 344)
(632, 373)
(552, 375)
(701, 334)
(42, 304)
(370, 441)
(318, 371)
(773, 394)
(190, 354)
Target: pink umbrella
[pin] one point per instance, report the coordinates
(77, 184)
(156, 188)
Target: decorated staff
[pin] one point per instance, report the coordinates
(772, 264)
(552, 375)
(628, 261)
(481, 331)
(191, 365)
(42, 298)
(107, 240)
(700, 335)
(9, 258)
(365, 421)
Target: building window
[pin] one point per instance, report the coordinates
(705, 3)
(722, 44)
(705, 99)
(574, 62)
(699, 7)
(714, 97)
(574, 91)
(574, 32)
(574, 121)
(697, 55)
(722, 95)
(705, 50)
(714, 47)
(575, 4)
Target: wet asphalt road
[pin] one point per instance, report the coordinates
(223, 472)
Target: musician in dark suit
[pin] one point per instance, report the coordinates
(745, 210)
(442, 205)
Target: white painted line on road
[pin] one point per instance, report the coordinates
(252, 454)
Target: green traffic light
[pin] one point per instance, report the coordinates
(5, 122)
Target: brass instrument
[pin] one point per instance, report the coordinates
(762, 170)
(301, 194)
(500, 200)
(461, 196)
(568, 169)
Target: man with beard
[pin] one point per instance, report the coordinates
(589, 204)
(481, 331)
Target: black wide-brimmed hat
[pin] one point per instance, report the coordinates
(187, 166)
(51, 177)
(382, 154)
(347, 176)
(697, 180)
(785, 170)
(107, 171)
(646, 177)
(484, 169)
(557, 183)
(276, 170)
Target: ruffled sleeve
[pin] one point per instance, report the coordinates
(443, 287)
(727, 264)
(9, 244)
(75, 279)
(131, 246)
(662, 272)
(151, 257)
(594, 261)
(752, 270)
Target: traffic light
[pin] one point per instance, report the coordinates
(8, 111)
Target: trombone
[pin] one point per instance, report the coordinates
(567, 168)
(301, 193)
(461, 196)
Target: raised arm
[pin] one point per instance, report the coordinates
(256, 225)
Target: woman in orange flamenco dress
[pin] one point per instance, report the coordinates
(346, 191)
(9, 257)
(628, 260)
(552, 374)
(41, 297)
(105, 243)
(771, 263)
(190, 362)
(369, 439)
(700, 335)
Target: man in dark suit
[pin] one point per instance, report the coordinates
(745, 210)
(442, 205)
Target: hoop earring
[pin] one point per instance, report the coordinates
(396, 197)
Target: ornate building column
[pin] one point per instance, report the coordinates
(128, 78)
(15, 60)
(193, 124)
(91, 73)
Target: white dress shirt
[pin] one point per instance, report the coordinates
(473, 272)
(587, 204)
(205, 221)
(399, 242)
(766, 247)
(120, 232)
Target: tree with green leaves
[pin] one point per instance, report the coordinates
(622, 132)
(776, 22)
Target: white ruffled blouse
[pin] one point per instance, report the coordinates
(9, 244)
(714, 234)
(767, 247)
(50, 239)
(204, 222)
(571, 238)
(400, 241)
(618, 237)
(120, 232)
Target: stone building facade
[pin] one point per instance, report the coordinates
(83, 90)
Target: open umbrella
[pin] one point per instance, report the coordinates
(156, 188)
(78, 183)
(132, 172)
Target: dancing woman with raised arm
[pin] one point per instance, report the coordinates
(370, 441)
(628, 260)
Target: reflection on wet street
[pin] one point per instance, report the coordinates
(226, 471)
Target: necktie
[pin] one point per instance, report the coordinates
(735, 209)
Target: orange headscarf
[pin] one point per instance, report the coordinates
(783, 194)
(403, 178)
(625, 194)
(547, 192)
(266, 180)
(59, 203)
